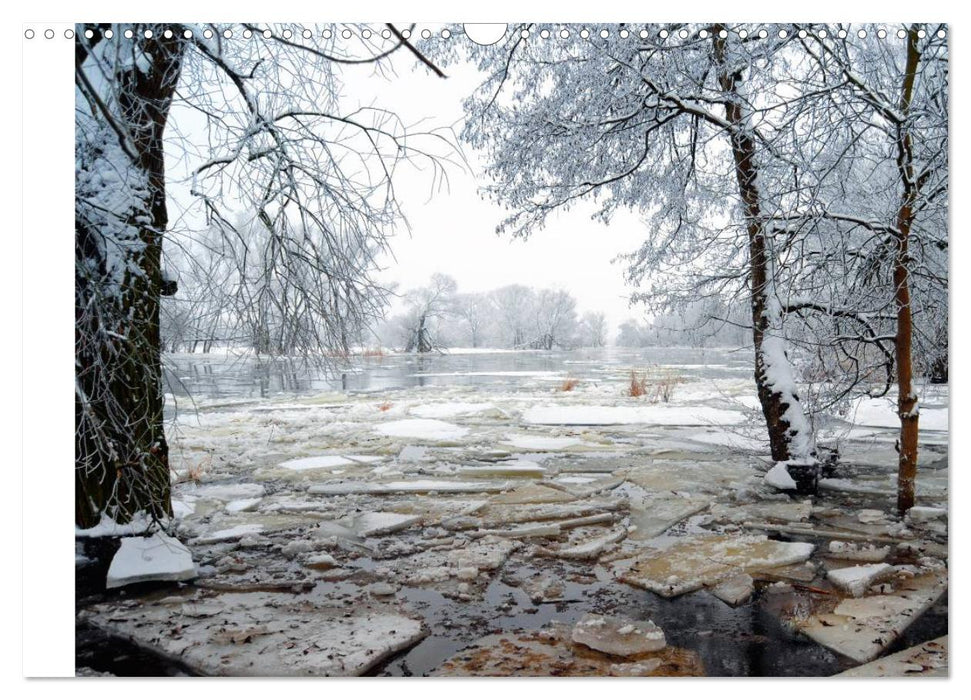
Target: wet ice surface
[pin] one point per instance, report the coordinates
(471, 504)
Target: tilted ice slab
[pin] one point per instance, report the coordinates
(376, 523)
(262, 634)
(516, 468)
(321, 462)
(778, 477)
(499, 373)
(704, 560)
(735, 590)
(541, 443)
(422, 429)
(651, 516)
(551, 652)
(243, 505)
(631, 415)
(229, 534)
(590, 548)
(415, 486)
(154, 558)
(533, 493)
(861, 628)
(449, 410)
(927, 659)
(882, 413)
(225, 492)
(617, 636)
(855, 580)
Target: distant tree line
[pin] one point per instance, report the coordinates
(437, 316)
(705, 323)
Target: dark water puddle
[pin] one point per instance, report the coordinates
(107, 653)
(743, 641)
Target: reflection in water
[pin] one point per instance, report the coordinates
(221, 376)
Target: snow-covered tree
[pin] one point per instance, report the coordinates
(513, 309)
(554, 319)
(472, 312)
(275, 146)
(427, 307)
(593, 329)
(870, 225)
(680, 126)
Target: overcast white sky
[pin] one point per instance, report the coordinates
(453, 231)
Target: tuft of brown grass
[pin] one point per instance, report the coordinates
(372, 352)
(665, 385)
(386, 406)
(569, 384)
(659, 387)
(196, 471)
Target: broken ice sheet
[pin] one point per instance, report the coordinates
(855, 580)
(861, 628)
(265, 634)
(650, 516)
(407, 486)
(782, 512)
(689, 563)
(448, 565)
(533, 493)
(375, 523)
(551, 652)
(694, 476)
(543, 588)
(591, 546)
(541, 443)
(618, 637)
(449, 409)
(157, 557)
(426, 429)
(852, 551)
(224, 491)
(735, 590)
(927, 659)
(521, 468)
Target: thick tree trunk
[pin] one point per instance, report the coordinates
(789, 434)
(121, 452)
(906, 398)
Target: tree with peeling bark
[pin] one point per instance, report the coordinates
(261, 127)
(682, 126)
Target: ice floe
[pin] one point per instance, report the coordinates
(157, 557)
(630, 415)
(618, 637)
(264, 634)
(690, 563)
(422, 429)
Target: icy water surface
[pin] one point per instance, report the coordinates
(223, 376)
(473, 494)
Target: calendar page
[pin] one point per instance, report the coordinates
(509, 350)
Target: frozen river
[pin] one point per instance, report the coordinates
(226, 376)
(479, 513)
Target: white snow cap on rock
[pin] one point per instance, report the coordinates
(157, 557)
